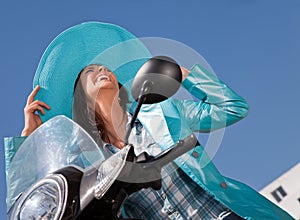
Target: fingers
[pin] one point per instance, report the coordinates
(43, 104)
(31, 96)
(33, 105)
(185, 72)
(36, 105)
(32, 120)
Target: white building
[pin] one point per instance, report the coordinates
(285, 191)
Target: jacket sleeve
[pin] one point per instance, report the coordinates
(218, 105)
(11, 145)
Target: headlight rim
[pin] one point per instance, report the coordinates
(61, 184)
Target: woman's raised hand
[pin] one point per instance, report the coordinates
(185, 72)
(32, 119)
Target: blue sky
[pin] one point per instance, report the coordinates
(254, 46)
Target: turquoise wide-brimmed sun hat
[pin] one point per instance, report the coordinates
(75, 48)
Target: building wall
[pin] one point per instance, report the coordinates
(285, 191)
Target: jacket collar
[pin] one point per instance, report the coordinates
(152, 118)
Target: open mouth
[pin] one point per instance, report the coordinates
(101, 78)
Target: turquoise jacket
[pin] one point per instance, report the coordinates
(216, 106)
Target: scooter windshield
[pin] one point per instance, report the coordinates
(59, 142)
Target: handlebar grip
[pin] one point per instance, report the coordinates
(165, 157)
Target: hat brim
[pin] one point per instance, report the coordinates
(77, 47)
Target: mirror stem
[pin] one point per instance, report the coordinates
(146, 88)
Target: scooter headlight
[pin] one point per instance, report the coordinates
(45, 200)
(109, 170)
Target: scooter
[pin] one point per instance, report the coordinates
(61, 173)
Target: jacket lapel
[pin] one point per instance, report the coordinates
(152, 118)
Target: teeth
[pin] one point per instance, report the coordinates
(102, 77)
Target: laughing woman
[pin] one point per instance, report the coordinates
(94, 60)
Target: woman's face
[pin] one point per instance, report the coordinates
(97, 79)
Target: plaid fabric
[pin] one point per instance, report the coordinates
(179, 198)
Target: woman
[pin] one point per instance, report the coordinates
(99, 88)
(97, 101)
(190, 190)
